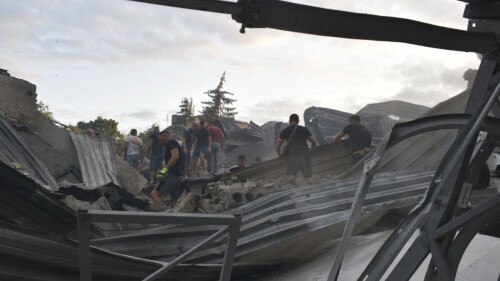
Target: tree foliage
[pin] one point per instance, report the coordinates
(219, 105)
(44, 109)
(106, 127)
(186, 111)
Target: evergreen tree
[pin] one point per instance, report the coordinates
(186, 112)
(219, 104)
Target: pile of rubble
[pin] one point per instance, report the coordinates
(232, 193)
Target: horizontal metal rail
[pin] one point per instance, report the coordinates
(232, 222)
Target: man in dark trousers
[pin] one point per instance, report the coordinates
(156, 153)
(172, 174)
(202, 148)
(360, 139)
(296, 152)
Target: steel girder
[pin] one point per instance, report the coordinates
(452, 181)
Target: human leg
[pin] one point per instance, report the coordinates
(133, 160)
(305, 165)
(215, 157)
(291, 169)
(155, 196)
(210, 160)
(171, 185)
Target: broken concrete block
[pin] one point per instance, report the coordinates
(185, 204)
(237, 187)
(204, 206)
(250, 184)
(213, 189)
(315, 179)
(301, 181)
(269, 186)
(226, 198)
(128, 177)
(259, 183)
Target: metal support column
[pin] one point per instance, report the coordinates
(232, 240)
(84, 245)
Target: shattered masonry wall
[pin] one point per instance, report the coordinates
(18, 100)
(51, 143)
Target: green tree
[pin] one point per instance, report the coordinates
(44, 109)
(219, 104)
(186, 111)
(106, 127)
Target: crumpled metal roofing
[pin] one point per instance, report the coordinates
(96, 157)
(405, 111)
(16, 153)
(379, 118)
(232, 129)
(42, 256)
(333, 158)
(278, 225)
(271, 132)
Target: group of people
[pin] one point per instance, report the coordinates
(171, 160)
(202, 145)
(293, 145)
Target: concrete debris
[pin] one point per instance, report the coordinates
(128, 177)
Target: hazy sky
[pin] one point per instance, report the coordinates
(134, 62)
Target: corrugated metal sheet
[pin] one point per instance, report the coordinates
(333, 158)
(23, 201)
(271, 132)
(425, 150)
(405, 111)
(97, 160)
(39, 256)
(324, 123)
(15, 152)
(278, 226)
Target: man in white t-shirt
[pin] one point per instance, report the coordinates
(134, 150)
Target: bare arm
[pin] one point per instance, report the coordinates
(175, 156)
(184, 147)
(209, 143)
(124, 148)
(338, 137)
(313, 141)
(279, 144)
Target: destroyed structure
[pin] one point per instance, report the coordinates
(49, 177)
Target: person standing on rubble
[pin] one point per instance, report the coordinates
(134, 150)
(187, 146)
(155, 152)
(202, 147)
(217, 142)
(296, 152)
(172, 174)
(360, 139)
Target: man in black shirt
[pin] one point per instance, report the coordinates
(172, 172)
(296, 152)
(359, 138)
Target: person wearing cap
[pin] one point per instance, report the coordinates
(172, 174)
